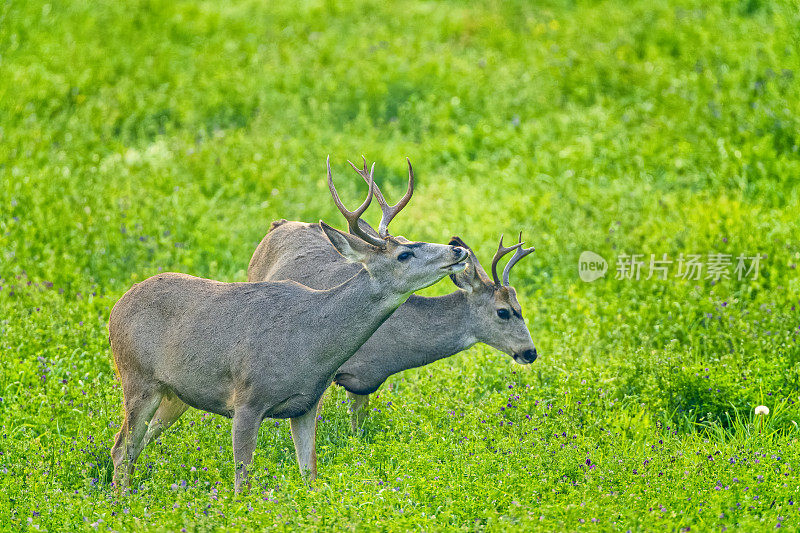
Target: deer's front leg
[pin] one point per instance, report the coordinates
(304, 435)
(245, 434)
(358, 409)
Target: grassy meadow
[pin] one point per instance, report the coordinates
(147, 136)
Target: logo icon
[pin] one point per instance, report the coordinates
(591, 266)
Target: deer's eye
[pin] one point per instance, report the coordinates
(504, 314)
(405, 256)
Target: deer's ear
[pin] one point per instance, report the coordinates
(467, 279)
(455, 240)
(352, 248)
(366, 228)
(471, 278)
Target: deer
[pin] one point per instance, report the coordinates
(255, 350)
(424, 329)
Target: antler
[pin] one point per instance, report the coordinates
(519, 254)
(501, 251)
(389, 212)
(353, 216)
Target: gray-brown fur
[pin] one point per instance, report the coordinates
(420, 332)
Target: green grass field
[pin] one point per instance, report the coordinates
(147, 136)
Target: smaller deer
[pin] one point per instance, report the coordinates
(255, 350)
(422, 330)
(484, 310)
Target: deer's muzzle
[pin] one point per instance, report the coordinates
(527, 357)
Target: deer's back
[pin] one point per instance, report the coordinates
(300, 251)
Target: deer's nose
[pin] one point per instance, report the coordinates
(529, 356)
(459, 252)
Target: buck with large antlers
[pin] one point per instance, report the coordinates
(422, 330)
(255, 350)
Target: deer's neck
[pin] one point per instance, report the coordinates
(351, 313)
(435, 327)
(421, 331)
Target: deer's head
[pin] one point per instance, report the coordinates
(397, 265)
(494, 309)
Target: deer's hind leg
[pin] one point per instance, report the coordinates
(245, 434)
(359, 403)
(140, 403)
(169, 411)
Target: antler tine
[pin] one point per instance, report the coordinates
(501, 251)
(519, 254)
(364, 174)
(391, 212)
(388, 211)
(353, 216)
